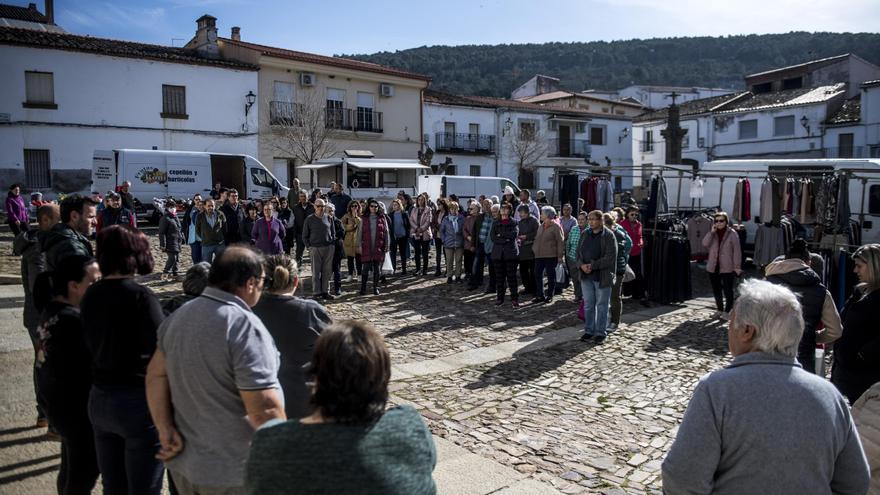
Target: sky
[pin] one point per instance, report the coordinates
(365, 26)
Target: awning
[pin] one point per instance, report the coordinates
(387, 164)
(320, 165)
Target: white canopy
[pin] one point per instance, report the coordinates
(387, 164)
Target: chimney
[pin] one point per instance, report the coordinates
(205, 41)
(50, 11)
(236, 33)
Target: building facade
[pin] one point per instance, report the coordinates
(659, 96)
(351, 105)
(66, 96)
(854, 130)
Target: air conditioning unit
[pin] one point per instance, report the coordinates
(306, 79)
(386, 90)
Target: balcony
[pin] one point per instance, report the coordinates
(568, 148)
(284, 113)
(359, 120)
(853, 152)
(464, 142)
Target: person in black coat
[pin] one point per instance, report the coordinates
(857, 353)
(234, 216)
(301, 211)
(338, 251)
(170, 238)
(505, 254)
(246, 227)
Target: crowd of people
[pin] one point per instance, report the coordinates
(239, 360)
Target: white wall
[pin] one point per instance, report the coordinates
(435, 117)
(111, 102)
(728, 145)
(655, 98)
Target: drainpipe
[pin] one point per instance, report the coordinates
(498, 138)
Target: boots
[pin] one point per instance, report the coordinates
(375, 282)
(363, 283)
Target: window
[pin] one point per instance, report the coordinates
(583, 106)
(748, 129)
(261, 178)
(580, 128)
(762, 88)
(335, 113)
(475, 170)
(39, 90)
(528, 129)
(473, 129)
(605, 110)
(685, 142)
(281, 110)
(174, 102)
(389, 179)
(365, 113)
(597, 135)
(620, 112)
(451, 170)
(845, 145)
(783, 126)
(449, 127)
(36, 169)
(793, 83)
(874, 200)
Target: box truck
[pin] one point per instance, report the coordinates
(180, 175)
(464, 187)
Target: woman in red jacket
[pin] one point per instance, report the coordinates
(633, 227)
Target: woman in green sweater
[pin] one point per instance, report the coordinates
(350, 444)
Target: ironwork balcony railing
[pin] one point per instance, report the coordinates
(850, 152)
(359, 120)
(284, 113)
(464, 142)
(568, 148)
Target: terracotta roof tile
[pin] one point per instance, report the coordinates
(115, 48)
(849, 113)
(438, 97)
(787, 98)
(22, 13)
(344, 63)
(691, 107)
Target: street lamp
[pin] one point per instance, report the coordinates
(805, 123)
(623, 134)
(507, 124)
(249, 99)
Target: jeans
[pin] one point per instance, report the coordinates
(596, 301)
(126, 440)
(453, 261)
(171, 265)
(480, 258)
(616, 300)
(79, 463)
(322, 268)
(423, 249)
(527, 274)
(354, 266)
(722, 282)
(209, 252)
(574, 272)
(196, 252)
(548, 266)
(398, 247)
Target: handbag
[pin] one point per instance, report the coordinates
(560, 274)
(629, 275)
(387, 267)
(581, 311)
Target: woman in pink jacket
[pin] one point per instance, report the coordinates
(724, 262)
(420, 217)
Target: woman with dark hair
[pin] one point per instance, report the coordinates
(400, 229)
(120, 318)
(295, 325)
(857, 352)
(16, 210)
(351, 221)
(285, 215)
(188, 226)
(392, 450)
(505, 254)
(633, 228)
(441, 211)
(65, 373)
(268, 232)
(373, 241)
(170, 238)
(420, 219)
(528, 229)
(248, 222)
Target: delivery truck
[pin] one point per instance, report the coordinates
(180, 175)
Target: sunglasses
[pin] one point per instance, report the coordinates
(720, 221)
(374, 206)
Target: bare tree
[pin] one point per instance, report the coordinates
(425, 158)
(529, 146)
(300, 130)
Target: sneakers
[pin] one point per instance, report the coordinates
(586, 338)
(612, 327)
(724, 316)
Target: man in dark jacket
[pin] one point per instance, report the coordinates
(125, 196)
(234, 215)
(597, 259)
(71, 236)
(33, 262)
(115, 214)
(339, 199)
(302, 210)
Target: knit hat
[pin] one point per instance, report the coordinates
(508, 190)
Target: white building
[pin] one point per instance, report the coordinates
(854, 130)
(569, 139)
(848, 68)
(658, 96)
(64, 96)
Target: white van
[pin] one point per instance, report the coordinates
(180, 175)
(864, 196)
(464, 187)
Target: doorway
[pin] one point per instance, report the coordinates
(229, 170)
(564, 140)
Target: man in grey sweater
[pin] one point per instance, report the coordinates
(763, 424)
(318, 237)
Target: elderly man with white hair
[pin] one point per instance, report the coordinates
(763, 424)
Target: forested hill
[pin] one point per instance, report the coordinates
(495, 70)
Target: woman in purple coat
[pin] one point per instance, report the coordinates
(16, 210)
(268, 232)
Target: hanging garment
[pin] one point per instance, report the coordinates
(842, 224)
(769, 243)
(568, 191)
(697, 189)
(747, 200)
(697, 228)
(604, 195)
(737, 212)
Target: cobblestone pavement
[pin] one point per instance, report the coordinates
(575, 416)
